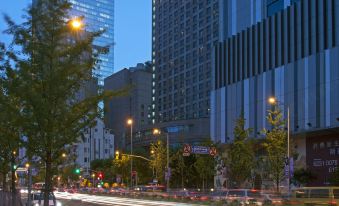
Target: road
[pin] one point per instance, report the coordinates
(107, 200)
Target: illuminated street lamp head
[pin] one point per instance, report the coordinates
(59, 178)
(117, 152)
(129, 121)
(63, 155)
(76, 23)
(93, 175)
(27, 165)
(272, 100)
(152, 151)
(156, 131)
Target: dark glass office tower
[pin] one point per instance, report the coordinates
(99, 15)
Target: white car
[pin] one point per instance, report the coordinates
(38, 200)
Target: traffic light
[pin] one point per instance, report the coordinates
(77, 171)
(100, 175)
(14, 167)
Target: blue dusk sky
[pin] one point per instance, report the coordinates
(132, 29)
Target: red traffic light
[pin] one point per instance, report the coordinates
(100, 175)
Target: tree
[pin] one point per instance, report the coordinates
(276, 144)
(178, 168)
(241, 155)
(51, 61)
(122, 167)
(303, 176)
(158, 159)
(10, 123)
(204, 164)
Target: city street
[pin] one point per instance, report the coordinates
(106, 200)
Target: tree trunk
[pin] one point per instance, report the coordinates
(13, 181)
(48, 180)
(277, 184)
(4, 182)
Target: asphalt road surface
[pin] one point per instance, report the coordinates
(107, 200)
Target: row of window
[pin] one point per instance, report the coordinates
(303, 29)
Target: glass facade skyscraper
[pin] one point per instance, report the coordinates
(99, 15)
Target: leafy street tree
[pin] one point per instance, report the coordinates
(241, 154)
(10, 128)
(49, 61)
(303, 176)
(204, 165)
(276, 144)
(178, 169)
(122, 167)
(158, 159)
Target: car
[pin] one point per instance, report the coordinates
(38, 200)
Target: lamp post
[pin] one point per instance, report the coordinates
(273, 101)
(156, 132)
(130, 122)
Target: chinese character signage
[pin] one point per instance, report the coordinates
(322, 157)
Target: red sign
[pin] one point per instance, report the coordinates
(322, 157)
(213, 151)
(187, 150)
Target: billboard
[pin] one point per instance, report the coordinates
(322, 157)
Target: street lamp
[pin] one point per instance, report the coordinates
(76, 23)
(130, 122)
(27, 165)
(64, 155)
(158, 132)
(274, 101)
(93, 176)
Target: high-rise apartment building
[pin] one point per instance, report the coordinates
(292, 54)
(183, 35)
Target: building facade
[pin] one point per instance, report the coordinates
(293, 56)
(136, 104)
(98, 16)
(183, 35)
(96, 143)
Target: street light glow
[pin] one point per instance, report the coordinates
(272, 100)
(27, 165)
(156, 131)
(64, 155)
(76, 23)
(129, 121)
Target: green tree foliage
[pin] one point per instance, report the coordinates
(178, 169)
(50, 62)
(241, 154)
(158, 160)
(276, 144)
(204, 164)
(303, 176)
(122, 167)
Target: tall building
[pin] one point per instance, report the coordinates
(292, 54)
(135, 105)
(183, 35)
(97, 142)
(98, 16)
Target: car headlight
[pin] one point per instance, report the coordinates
(36, 204)
(58, 204)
